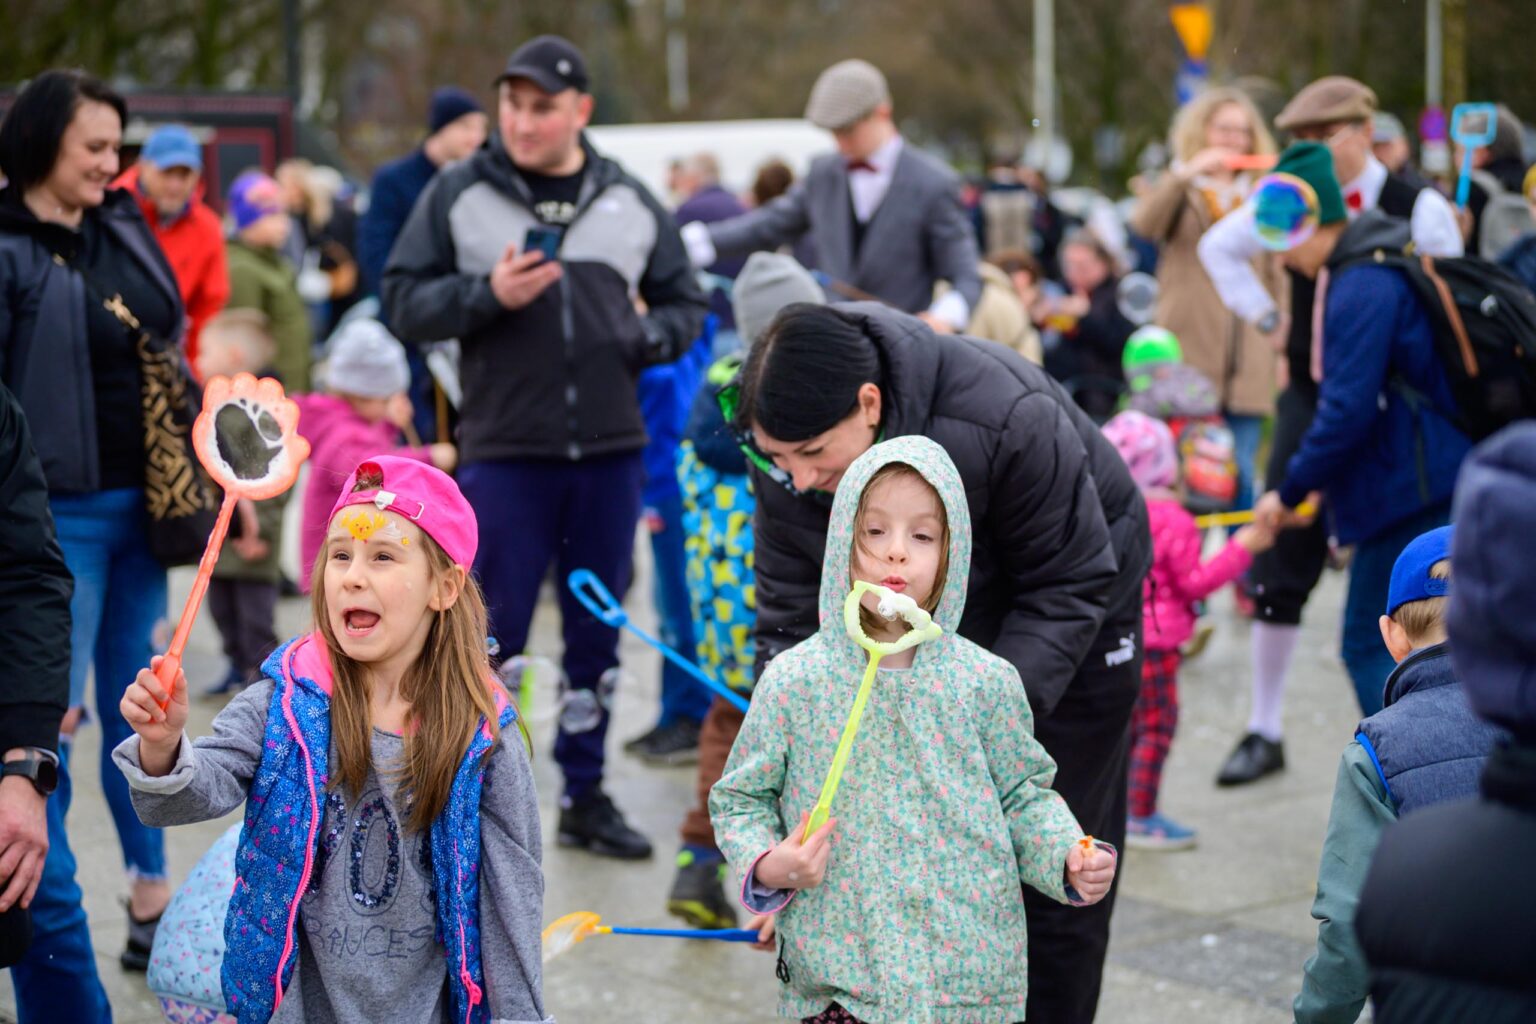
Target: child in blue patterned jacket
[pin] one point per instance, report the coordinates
(391, 846)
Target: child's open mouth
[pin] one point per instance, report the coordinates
(359, 622)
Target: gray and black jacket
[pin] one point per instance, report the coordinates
(555, 379)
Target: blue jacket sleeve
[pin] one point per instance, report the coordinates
(1357, 344)
(387, 210)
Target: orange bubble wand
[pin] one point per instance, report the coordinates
(246, 437)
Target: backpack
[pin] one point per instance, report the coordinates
(1208, 454)
(1506, 217)
(1484, 324)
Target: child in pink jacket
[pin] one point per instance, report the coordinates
(1177, 581)
(360, 415)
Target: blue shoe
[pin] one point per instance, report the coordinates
(1156, 832)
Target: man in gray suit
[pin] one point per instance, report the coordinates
(885, 219)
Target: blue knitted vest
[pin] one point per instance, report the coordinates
(1427, 744)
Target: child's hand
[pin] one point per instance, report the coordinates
(766, 929)
(796, 865)
(159, 730)
(443, 456)
(1255, 538)
(1090, 871)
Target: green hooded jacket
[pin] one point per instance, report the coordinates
(262, 279)
(944, 812)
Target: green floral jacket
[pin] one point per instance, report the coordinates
(944, 812)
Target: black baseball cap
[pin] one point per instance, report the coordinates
(550, 62)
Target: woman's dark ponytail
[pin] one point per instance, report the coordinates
(803, 375)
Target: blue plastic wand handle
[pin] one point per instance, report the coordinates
(598, 600)
(723, 935)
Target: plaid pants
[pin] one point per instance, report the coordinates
(1152, 725)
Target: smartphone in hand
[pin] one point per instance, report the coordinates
(545, 239)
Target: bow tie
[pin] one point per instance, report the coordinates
(860, 165)
(1354, 201)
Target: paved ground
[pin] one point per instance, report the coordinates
(1217, 934)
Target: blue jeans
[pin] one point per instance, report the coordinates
(120, 594)
(681, 696)
(1370, 575)
(1247, 431)
(57, 979)
(580, 515)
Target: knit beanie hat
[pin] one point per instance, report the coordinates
(769, 282)
(365, 360)
(1147, 447)
(1493, 582)
(253, 196)
(1312, 162)
(448, 105)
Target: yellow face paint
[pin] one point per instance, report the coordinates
(363, 522)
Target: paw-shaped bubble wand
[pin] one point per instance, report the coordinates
(892, 606)
(246, 437)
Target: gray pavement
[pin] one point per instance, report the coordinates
(1215, 934)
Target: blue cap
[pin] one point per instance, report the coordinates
(1411, 580)
(172, 145)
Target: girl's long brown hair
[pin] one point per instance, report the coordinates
(449, 690)
(874, 624)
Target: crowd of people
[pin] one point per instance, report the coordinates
(509, 356)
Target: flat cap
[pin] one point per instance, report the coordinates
(1328, 101)
(846, 93)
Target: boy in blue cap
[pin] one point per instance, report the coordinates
(1423, 748)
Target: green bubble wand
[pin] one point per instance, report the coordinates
(892, 606)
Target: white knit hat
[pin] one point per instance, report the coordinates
(364, 359)
(846, 93)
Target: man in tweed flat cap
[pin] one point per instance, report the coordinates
(884, 218)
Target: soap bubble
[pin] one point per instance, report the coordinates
(1285, 212)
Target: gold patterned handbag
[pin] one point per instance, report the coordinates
(181, 500)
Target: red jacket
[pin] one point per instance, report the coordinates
(194, 246)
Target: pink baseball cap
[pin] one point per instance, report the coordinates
(421, 493)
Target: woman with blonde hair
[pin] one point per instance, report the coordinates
(1211, 136)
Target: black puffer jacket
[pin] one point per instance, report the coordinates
(1060, 529)
(45, 356)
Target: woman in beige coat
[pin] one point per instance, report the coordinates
(1199, 189)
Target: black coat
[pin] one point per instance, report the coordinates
(1447, 918)
(1060, 530)
(35, 589)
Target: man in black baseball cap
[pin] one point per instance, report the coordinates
(530, 251)
(550, 62)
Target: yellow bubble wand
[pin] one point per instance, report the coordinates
(892, 606)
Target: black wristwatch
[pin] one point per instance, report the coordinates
(40, 766)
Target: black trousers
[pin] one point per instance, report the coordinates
(244, 611)
(1089, 735)
(1283, 577)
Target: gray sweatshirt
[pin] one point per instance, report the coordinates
(366, 922)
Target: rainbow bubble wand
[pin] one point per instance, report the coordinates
(892, 606)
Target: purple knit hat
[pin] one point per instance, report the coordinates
(1146, 445)
(253, 196)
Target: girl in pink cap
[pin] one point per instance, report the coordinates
(377, 856)
(1177, 582)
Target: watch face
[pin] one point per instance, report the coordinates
(47, 778)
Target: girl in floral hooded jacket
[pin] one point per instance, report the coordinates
(906, 905)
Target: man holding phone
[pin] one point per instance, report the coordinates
(533, 252)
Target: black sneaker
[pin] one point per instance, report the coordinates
(593, 823)
(1254, 758)
(671, 745)
(698, 893)
(233, 682)
(634, 745)
(141, 940)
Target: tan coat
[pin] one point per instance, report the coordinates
(1239, 361)
(1000, 316)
